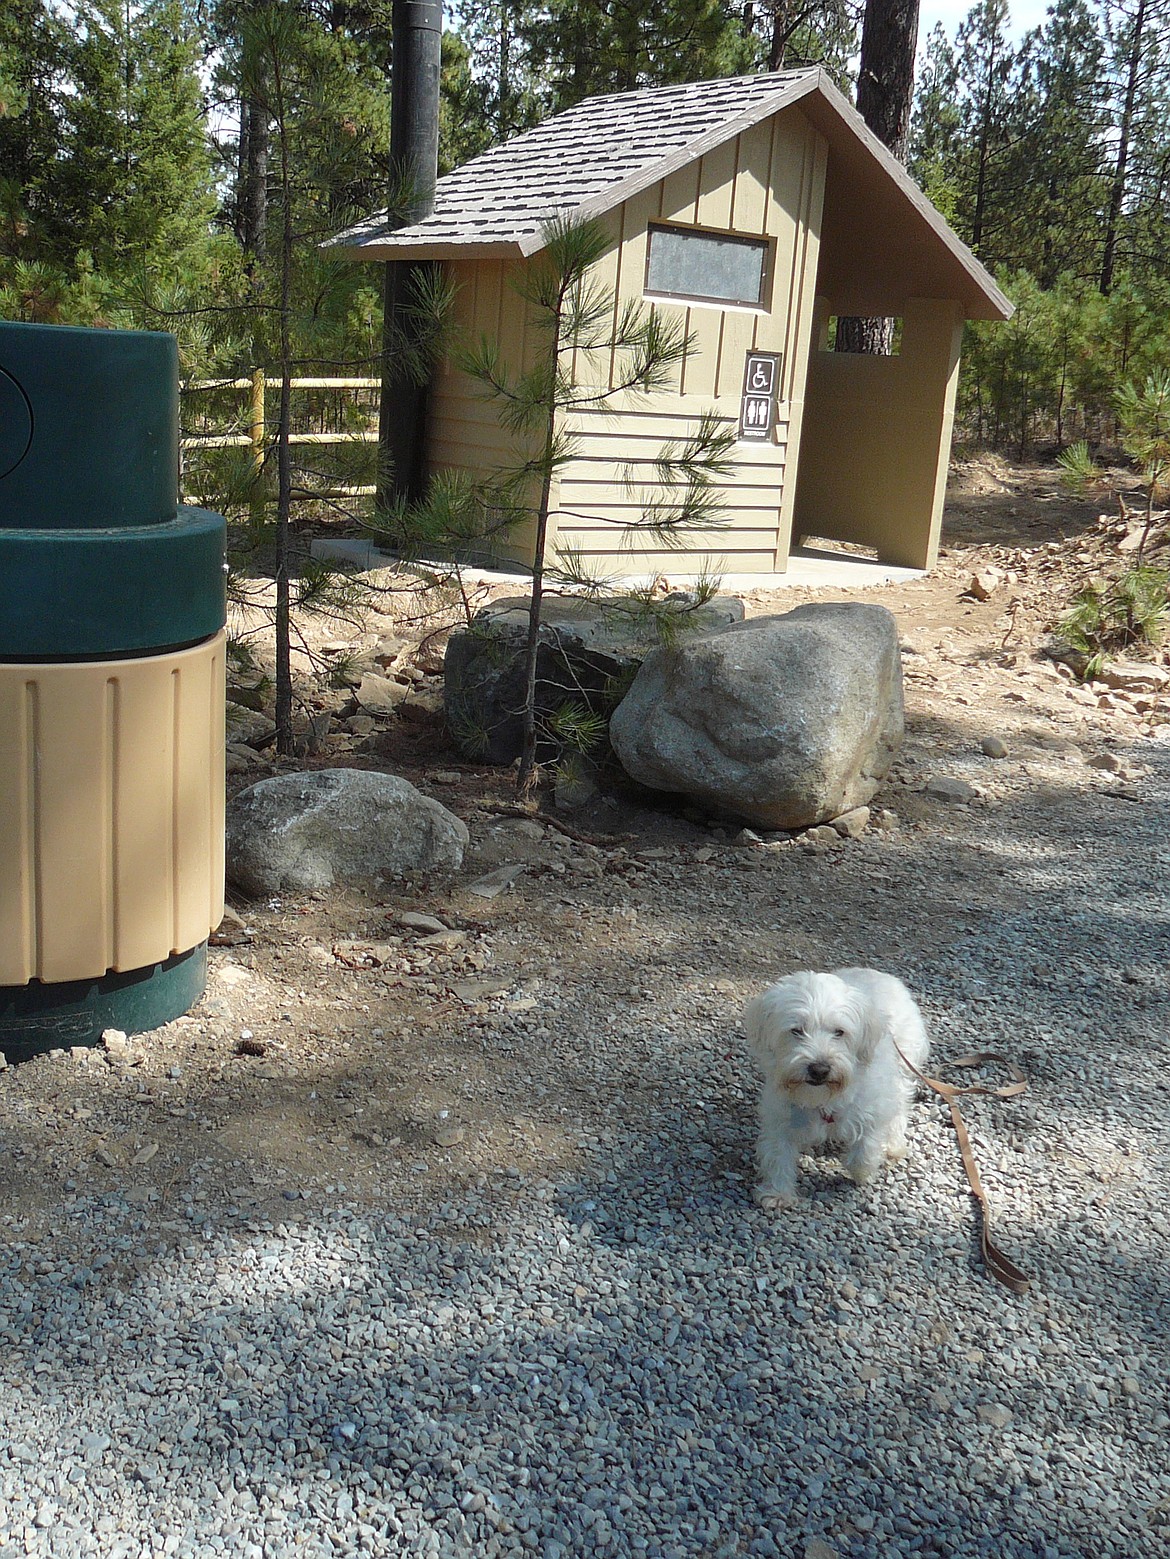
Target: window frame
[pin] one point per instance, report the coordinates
(760, 241)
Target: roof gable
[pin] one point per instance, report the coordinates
(591, 158)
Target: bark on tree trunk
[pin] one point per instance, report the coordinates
(254, 191)
(779, 35)
(1121, 169)
(885, 81)
(885, 85)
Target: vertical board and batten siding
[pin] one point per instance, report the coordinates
(768, 182)
(465, 430)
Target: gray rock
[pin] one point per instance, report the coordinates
(1107, 761)
(994, 747)
(246, 725)
(852, 824)
(782, 721)
(587, 650)
(413, 921)
(1134, 676)
(380, 695)
(944, 787)
(494, 883)
(300, 832)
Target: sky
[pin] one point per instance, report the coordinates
(1025, 14)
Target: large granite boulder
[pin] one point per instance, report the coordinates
(300, 832)
(588, 653)
(781, 721)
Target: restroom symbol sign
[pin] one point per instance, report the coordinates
(761, 383)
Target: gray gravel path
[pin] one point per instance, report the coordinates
(624, 1356)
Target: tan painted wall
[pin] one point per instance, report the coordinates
(111, 822)
(464, 427)
(769, 182)
(877, 437)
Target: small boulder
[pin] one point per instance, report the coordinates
(994, 747)
(246, 725)
(1134, 676)
(781, 721)
(380, 695)
(1109, 762)
(852, 824)
(944, 787)
(301, 832)
(984, 584)
(587, 649)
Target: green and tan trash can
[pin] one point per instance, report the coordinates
(112, 609)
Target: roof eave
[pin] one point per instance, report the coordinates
(384, 247)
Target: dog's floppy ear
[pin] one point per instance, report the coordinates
(759, 1030)
(872, 1022)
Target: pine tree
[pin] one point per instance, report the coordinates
(806, 32)
(579, 48)
(505, 92)
(33, 41)
(1053, 170)
(984, 61)
(133, 185)
(1139, 78)
(936, 125)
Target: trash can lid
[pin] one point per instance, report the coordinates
(89, 427)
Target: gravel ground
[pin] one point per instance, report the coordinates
(602, 1347)
(462, 1259)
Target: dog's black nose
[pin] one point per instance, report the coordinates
(817, 1071)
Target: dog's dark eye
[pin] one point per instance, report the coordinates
(838, 1033)
(796, 1029)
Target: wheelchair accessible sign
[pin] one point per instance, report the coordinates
(761, 393)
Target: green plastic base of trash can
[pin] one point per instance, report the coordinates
(39, 1017)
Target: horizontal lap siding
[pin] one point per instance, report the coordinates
(612, 476)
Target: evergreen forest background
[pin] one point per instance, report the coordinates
(174, 164)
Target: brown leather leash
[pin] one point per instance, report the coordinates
(1001, 1267)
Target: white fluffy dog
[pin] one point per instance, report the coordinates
(831, 1073)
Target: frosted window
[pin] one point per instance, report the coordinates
(712, 267)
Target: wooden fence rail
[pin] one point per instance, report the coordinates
(256, 384)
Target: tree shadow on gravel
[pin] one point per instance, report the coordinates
(700, 1384)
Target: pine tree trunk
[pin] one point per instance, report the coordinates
(527, 769)
(284, 690)
(504, 74)
(885, 81)
(874, 336)
(885, 86)
(1121, 169)
(779, 35)
(254, 179)
(984, 154)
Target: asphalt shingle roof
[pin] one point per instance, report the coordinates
(583, 159)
